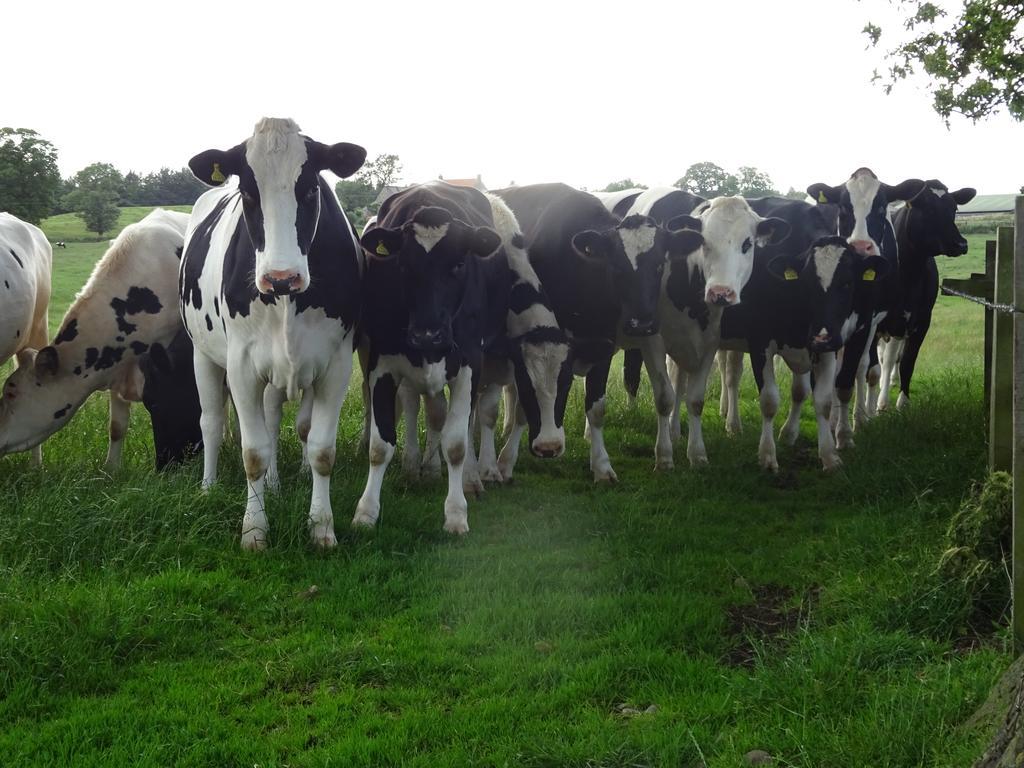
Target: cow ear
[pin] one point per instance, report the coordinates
(906, 190)
(771, 231)
(213, 166)
(380, 242)
(684, 221)
(26, 357)
(47, 362)
(160, 359)
(823, 193)
(785, 267)
(873, 268)
(683, 242)
(590, 245)
(483, 241)
(964, 196)
(341, 159)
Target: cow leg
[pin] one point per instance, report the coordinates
(510, 398)
(454, 439)
(860, 414)
(890, 356)
(213, 401)
(874, 375)
(597, 383)
(731, 363)
(723, 397)
(678, 378)
(696, 390)
(798, 391)
(382, 391)
(436, 411)
(471, 482)
(653, 351)
(120, 411)
(364, 363)
(853, 355)
(769, 400)
(303, 422)
(409, 407)
(487, 414)
(328, 397)
(273, 408)
(510, 452)
(247, 392)
(824, 378)
(911, 349)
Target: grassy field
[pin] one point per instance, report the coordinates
(676, 619)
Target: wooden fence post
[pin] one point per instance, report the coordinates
(1018, 432)
(990, 274)
(1000, 439)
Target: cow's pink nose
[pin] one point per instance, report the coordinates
(548, 449)
(863, 247)
(720, 295)
(281, 282)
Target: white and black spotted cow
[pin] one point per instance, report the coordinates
(696, 290)
(436, 296)
(603, 277)
(619, 202)
(270, 293)
(26, 261)
(925, 229)
(865, 224)
(806, 297)
(127, 307)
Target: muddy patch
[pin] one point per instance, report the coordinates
(767, 621)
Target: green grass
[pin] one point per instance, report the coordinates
(71, 229)
(133, 631)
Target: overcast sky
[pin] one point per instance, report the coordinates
(523, 91)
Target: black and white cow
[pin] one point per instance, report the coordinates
(170, 395)
(128, 306)
(806, 297)
(603, 278)
(270, 294)
(436, 295)
(619, 202)
(864, 222)
(925, 228)
(26, 262)
(695, 292)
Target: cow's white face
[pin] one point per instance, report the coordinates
(731, 231)
(278, 172)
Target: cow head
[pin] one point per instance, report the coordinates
(864, 207)
(170, 395)
(833, 280)
(731, 230)
(634, 254)
(39, 398)
(436, 256)
(278, 172)
(931, 220)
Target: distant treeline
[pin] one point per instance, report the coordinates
(164, 187)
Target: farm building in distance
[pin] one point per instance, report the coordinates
(987, 204)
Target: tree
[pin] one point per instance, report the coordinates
(29, 178)
(795, 194)
(754, 183)
(708, 180)
(97, 189)
(354, 194)
(382, 171)
(975, 62)
(621, 186)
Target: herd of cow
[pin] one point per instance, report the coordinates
(265, 292)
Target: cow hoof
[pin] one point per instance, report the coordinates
(324, 539)
(698, 461)
(473, 488)
(365, 517)
(902, 402)
(254, 540)
(844, 441)
(457, 527)
(506, 472)
(606, 475)
(831, 463)
(770, 464)
(664, 465)
(491, 474)
(789, 436)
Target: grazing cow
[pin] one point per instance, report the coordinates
(170, 395)
(128, 305)
(436, 296)
(695, 292)
(270, 294)
(619, 202)
(26, 263)
(60, 244)
(925, 228)
(864, 221)
(806, 297)
(603, 277)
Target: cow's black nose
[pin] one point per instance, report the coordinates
(428, 339)
(635, 327)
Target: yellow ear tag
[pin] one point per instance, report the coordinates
(822, 198)
(790, 274)
(869, 275)
(382, 250)
(217, 175)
